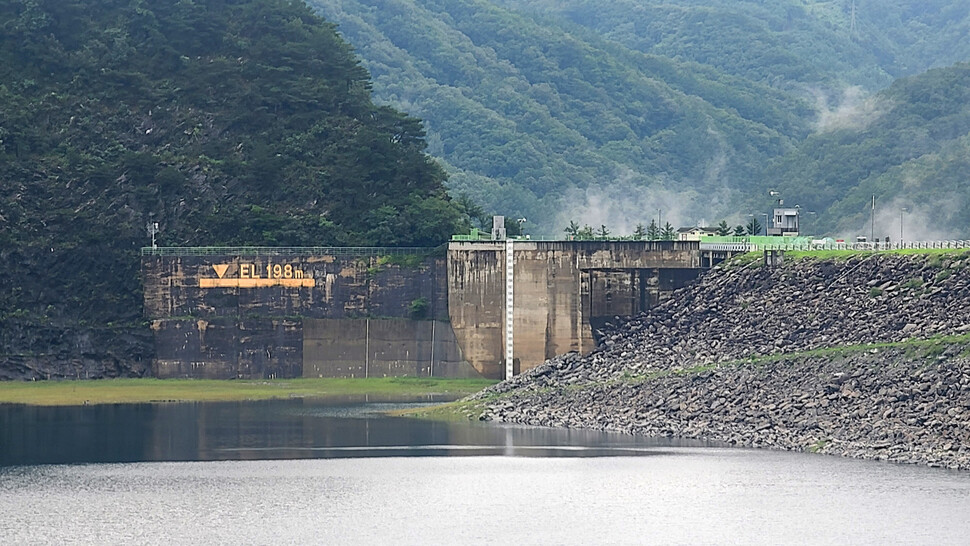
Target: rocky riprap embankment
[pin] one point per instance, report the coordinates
(793, 357)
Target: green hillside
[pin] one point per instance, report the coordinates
(615, 112)
(542, 121)
(908, 145)
(790, 44)
(226, 122)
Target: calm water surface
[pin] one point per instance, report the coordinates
(338, 472)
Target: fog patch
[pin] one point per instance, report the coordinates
(626, 202)
(924, 221)
(853, 110)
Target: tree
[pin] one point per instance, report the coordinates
(572, 230)
(512, 227)
(585, 234)
(739, 230)
(723, 229)
(639, 233)
(603, 233)
(474, 211)
(753, 227)
(668, 233)
(653, 232)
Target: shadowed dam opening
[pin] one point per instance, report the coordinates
(613, 295)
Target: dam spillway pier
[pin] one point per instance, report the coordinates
(252, 312)
(562, 291)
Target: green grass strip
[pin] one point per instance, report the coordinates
(932, 346)
(749, 258)
(846, 254)
(117, 391)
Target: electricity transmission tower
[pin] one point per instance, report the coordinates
(852, 21)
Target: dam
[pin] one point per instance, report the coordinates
(480, 309)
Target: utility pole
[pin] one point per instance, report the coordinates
(872, 221)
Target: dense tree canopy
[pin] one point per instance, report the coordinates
(910, 147)
(528, 113)
(557, 110)
(242, 122)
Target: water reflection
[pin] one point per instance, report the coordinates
(278, 429)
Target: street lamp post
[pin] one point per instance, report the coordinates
(152, 228)
(778, 203)
(901, 211)
(872, 221)
(754, 216)
(814, 216)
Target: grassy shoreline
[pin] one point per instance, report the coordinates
(129, 391)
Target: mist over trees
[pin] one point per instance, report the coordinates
(525, 111)
(543, 108)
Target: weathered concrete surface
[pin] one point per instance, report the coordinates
(381, 348)
(233, 316)
(349, 286)
(757, 357)
(249, 316)
(562, 289)
(228, 348)
(476, 303)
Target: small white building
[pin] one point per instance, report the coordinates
(784, 223)
(695, 233)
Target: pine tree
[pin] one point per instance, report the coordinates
(668, 233)
(639, 233)
(572, 230)
(653, 232)
(753, 227)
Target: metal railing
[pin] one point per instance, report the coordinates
(285, 251)
(475, 235)
(738, 244)
(750, 246)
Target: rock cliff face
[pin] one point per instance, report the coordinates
(866, 357)
(64, 352)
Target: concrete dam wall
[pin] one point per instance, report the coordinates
(333, 312)
(265, 313)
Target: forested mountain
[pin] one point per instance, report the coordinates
(789, 44)
(540, 121)
(606, 111)
(908, 145)
(226, 122)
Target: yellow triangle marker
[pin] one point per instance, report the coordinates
(220, 269)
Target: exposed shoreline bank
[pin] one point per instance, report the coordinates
(867, 357)
(133, 391)
(905, 405)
